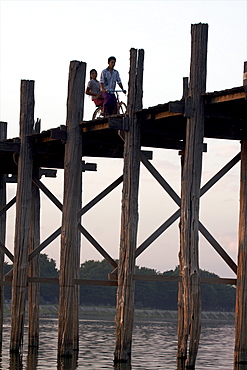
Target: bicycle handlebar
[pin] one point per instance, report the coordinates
(111, 91)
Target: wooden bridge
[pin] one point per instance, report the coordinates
(180, 125)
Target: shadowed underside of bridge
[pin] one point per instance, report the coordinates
(162, 126)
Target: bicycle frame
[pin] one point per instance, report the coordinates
(116, 93)
(121, 106)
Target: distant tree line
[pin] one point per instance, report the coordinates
(148, 294)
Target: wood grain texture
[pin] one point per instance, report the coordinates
(190, 288)
(240, 354)
(68, 320)
(3, 135)
(33, 270)
(23, 213)
(129, 216)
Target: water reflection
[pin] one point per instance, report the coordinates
(154, 348)
(240, 367)
(32, 358)
(181, 364)
(67, 363)
(15, 361)
(123, 366)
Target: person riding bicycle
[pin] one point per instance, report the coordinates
(108, 79)
(93, 89)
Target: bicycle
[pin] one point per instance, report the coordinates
(121, 107)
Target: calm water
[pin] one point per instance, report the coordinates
(154, 347)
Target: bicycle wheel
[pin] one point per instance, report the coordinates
(97, 113)
(122, 108)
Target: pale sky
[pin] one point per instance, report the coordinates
(38, 39)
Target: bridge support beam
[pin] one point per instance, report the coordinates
(3, 135)
(68, 319)
(189, 308)
(240, 354)
(34, 270)
(129, 219)
(23, 213)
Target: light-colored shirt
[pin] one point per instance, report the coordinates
(109, 79)
(94, 87)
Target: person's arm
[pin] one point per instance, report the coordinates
(89, 92)
(121, 87)
(89, 89)
(101, 82)
(102, 87)
(119, 82)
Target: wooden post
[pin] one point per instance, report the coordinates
(240, 354)
(185, 87)
(23, 212)
(3, 135)
(190, 307)
(33, 270)
(70, 237)
(245, 77)
(129, 220)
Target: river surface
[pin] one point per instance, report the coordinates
(154, 347)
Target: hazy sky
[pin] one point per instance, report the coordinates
(38, 39)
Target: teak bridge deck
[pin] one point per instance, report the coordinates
(162, 126)
(179, 125)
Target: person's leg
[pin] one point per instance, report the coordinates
(98, 102)
(110, 104)
(114, 104)
(107, 103)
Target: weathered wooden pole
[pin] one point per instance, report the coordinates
(68, 323)
(23, 212)
(129, 219)
(33, 268)
(3, 135)
(240, 354)
(190, 307)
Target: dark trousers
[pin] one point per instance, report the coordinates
(110, 104)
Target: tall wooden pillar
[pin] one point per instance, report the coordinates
(70, 238)
(33, 268)
(240, 355)
(23, 212)
(129, 220)
(3, 135)
(190, 292)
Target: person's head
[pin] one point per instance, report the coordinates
(93, 74)
(111, 62)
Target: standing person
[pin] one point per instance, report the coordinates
(108, 79)
(93, 89)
